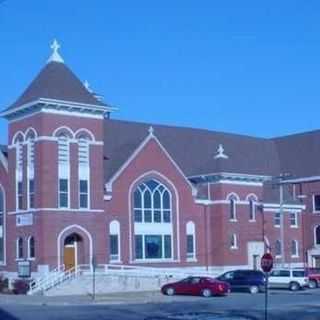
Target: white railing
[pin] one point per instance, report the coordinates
(52, 279)
(60, 275)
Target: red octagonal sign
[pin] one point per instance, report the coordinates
(267, 262)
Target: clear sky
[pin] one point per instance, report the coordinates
(249, 67)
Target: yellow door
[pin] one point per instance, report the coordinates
(69, 258)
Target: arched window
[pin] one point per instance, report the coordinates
(2, 209)
(152, 203)
(317, 236)
(84, 171)
(152, 208)
(233, 242)
(114, 241)
(31, 248)
(19, 171)
(233, 207)
(19, 248)
(191, 240)
(294, 249)
(278, 248)
(252, 207)
(64, 167)
(30, 137)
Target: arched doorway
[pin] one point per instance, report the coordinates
(75, 247)
(72, 251)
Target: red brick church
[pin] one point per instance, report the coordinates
(78, 186)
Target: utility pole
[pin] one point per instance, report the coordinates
(282, 225)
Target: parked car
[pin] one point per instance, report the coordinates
(244, 280)
(314, 277)
(293, 279)
(203, 286)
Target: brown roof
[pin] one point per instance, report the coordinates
(300, 154)
(56, 81)
(192, 149)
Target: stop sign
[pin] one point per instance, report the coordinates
(267, 262)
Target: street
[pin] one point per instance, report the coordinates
(284, 305)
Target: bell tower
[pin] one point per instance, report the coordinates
(56, 138)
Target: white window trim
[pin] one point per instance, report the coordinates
(191, 231)
(278, 256)
(67, 175)
(233, 203)
(152, 209)
(274, 218)
(235, 241)
(17, 249)
(157, 260)
(254, 203)
(296, 225)
(28, 255)
(115, 230)
(317, 245)
(314, 204)
(297, 249)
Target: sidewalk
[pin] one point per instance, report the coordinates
(111, 299)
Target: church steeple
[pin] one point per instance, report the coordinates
(57, 87)
(55, 56)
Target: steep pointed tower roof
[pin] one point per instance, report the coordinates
(56, 84)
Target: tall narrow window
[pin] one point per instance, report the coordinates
(277, 219)
(233, 208)
(233, 242)
(84, 175)
(317, 236)
(31, 248)
(191, 241)
(278, 248)
(19, 174)
(63, 158)
(19, 248)
(2, 202)
(293, 219)
(20, 195)
(30, 172)
(294, 249)
(252, 208)
(63, 193)
(114, 240)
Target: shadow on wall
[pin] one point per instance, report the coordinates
(6, 316)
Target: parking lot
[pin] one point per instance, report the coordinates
(154, 306)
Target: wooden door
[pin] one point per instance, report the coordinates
(69, 257)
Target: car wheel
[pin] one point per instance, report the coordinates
(254, 289)
(206, 293)
(294, 286)
(313, 284)
(170, 291)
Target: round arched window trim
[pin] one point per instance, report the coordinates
(152, 202)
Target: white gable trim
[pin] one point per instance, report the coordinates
(150, 137)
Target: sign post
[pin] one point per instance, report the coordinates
(266, 265)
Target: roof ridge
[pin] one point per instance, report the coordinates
(181, 127)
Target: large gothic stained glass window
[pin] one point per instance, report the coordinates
(152, 203)
(152, 207)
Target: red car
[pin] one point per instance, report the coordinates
(197, 286)
(314, 277)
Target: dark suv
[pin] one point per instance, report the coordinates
(244, 280)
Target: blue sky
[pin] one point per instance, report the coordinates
(249, 67)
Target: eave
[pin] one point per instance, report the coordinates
(47, 104)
